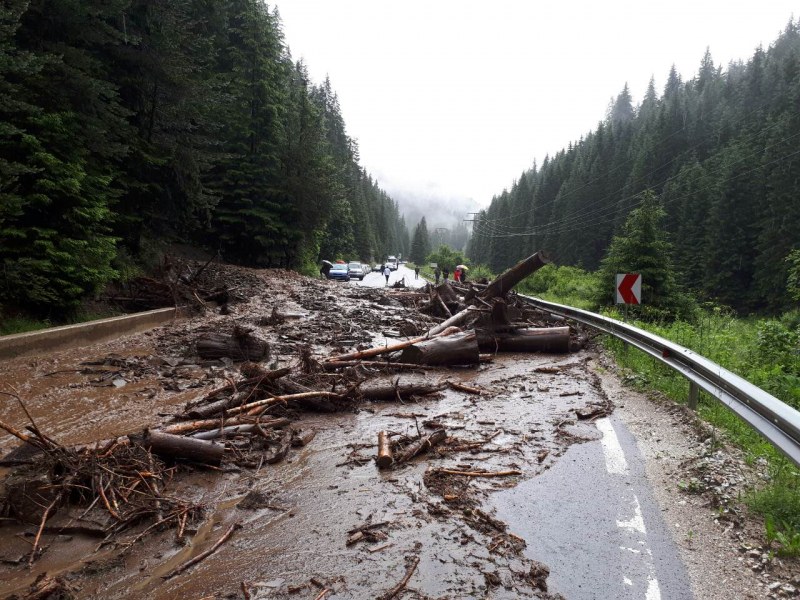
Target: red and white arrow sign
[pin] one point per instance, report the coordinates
(629, 288)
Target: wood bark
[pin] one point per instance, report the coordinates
(213, 434)
(455, 320)
(422, 445)
(398, 390)
(504, 282)
(385, 458)
(549, 339)
(240, 346)
(176, 446)
(460, 349)
(439, 329)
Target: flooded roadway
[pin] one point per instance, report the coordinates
(581, 504)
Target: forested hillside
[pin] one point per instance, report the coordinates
(722, 153)
(129, 124)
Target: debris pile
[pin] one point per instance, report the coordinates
(111, 486)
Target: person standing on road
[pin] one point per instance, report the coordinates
(386, 272)
(446, 273)
(416, 272)
(437, 273)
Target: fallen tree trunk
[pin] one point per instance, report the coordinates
(440, 329)
(397, 390)
(504, 282)
(240, 346)
(213, 434)
(460, 349)
(176, 446)
(454, 321)
(550, 339)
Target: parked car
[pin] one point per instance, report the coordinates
(339, 271)
(377, 268)
(357, 270)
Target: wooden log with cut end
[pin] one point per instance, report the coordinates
(385, 458)
(242, 345)
(176, 446)
(460, 349)
(504, 282)
(548, 339)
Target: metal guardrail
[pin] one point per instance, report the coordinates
(775, 420)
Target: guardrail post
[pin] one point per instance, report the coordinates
(694, 392)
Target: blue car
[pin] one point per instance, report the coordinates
(339, 271)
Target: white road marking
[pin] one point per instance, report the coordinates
(616, 464)
(615, 457)
(636, 522)
(653, 591)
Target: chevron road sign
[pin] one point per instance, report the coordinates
(629, 288)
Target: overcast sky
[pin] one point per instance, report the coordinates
(453, 99)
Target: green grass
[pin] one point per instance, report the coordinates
(24, 324)
(12, 325)
(747, 347)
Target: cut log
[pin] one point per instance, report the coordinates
(455, 320)
(242, 345)
(384, 459)
(217, 408)
(397, 390)
(441, 329)
(176, 446)
(460, 349)
(422, 445)
(504, 282)
(213, 434)
(548, 339)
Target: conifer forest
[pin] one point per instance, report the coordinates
(721, 152)
(129, 124)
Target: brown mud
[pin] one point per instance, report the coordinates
(297, 516)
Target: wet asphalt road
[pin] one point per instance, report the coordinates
(376, 279)
(593, 520)
(592, 517)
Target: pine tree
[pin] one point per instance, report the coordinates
(421, 243)
(642, 248)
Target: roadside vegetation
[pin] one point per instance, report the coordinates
(765, 350)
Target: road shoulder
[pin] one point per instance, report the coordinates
(719, 544)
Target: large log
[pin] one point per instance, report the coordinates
(504, 282)
(393, 391)
(459, 349)
(440, 329)
(176, 446)
(240, 346)
(455, 320)
(548, 339)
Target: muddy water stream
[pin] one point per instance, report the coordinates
(296, 515)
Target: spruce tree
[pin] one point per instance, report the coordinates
(421, 243)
